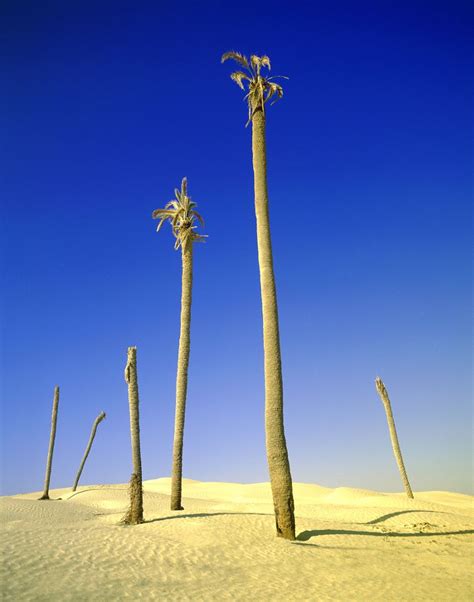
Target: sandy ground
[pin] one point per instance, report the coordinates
(352, 545)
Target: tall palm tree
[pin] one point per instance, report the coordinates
(181, 213)
(260, 90)
(97, 421)
(382, 391)
(134, 515)
(52, 438)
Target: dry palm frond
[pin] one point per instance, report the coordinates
(260, 88)
(238, 76)
(274, 89)
(181, 214)
(236, 56)
(265, 61)
(255, 62)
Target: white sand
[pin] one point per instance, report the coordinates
(352, 545)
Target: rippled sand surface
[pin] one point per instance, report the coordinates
(352, 544)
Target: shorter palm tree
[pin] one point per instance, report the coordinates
(182, 215)
(97, 421)
(382, 391)
(52, 438)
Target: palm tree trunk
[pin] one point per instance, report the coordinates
(97, 421)
(277, 454)
(182, 374)
(135, 513)
(52, 437)
(382, 391)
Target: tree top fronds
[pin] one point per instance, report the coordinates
(182, 215)
(260, 89)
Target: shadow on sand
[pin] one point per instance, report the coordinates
(105, 488)
(206, 514)
(306, 535)
(381, 519)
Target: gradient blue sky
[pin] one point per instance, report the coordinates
(106, 106)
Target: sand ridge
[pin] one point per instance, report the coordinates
(352, 544)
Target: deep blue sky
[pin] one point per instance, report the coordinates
(106, 106)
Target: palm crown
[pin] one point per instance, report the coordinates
(181, 214)
(260, 88)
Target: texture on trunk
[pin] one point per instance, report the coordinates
(97, 421)
(382, 391)
(182, 374)
(277, 454)
(135, 514)
(52, 437)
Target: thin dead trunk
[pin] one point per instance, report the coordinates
(97, 421)
(134, 515)
(277, 453)
(382, 391)
(52, 437)
(182, 374)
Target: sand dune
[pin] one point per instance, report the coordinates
(352, 544)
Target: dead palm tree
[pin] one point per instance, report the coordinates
(134, 515)
(52, 437)
(260, 90)
(181, 213)
(382, 391)
(97, 421)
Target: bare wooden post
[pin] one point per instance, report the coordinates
(382, 391)
(134, 515)
(97, 421)
(52, 437)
